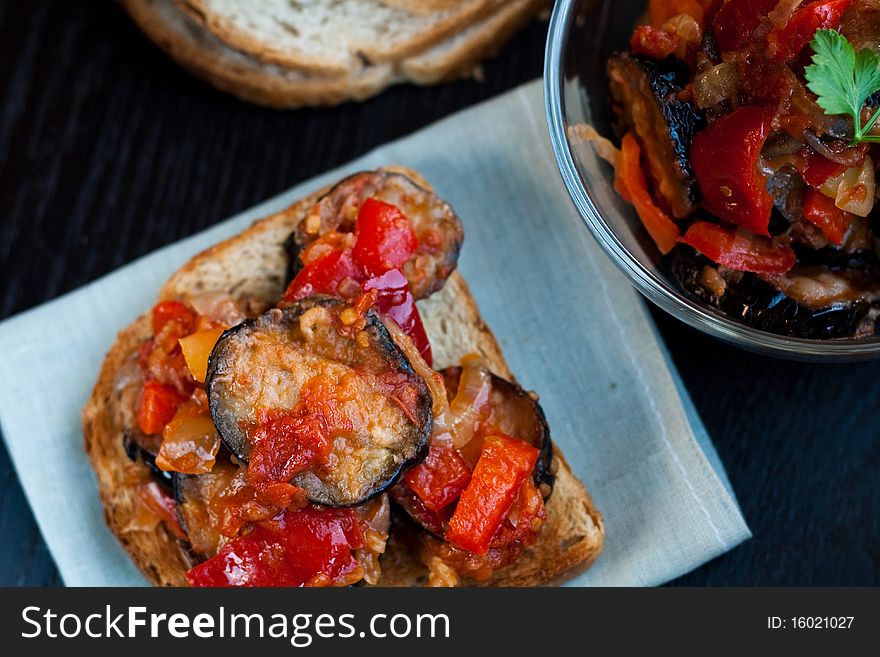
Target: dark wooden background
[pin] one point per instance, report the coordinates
(108, 151)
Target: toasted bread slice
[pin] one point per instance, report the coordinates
(331, 38)
(252, 264)
(458, 55)
(421, 6)
(234, 72)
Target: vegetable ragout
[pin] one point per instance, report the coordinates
(275, 442)
(750, 150)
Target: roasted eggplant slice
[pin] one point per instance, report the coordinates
(319, 397)
(766, 305)
(136, 450)
(510, 410)
(517, 413)
(437, 227)
(645, 101)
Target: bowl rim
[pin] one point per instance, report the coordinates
(656, 289)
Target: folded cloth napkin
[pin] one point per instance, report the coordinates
(570, 326)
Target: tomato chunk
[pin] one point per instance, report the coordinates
(157, 405)
(440, 478)
(819, 169)
(820, 211)
(307, 547)
(385, 238)
(630, 183)
(739, 250)
(725, 158)
(323, 276)
(287, 442)
(736, 20)
(394, 299)
(165, 312)
(787, 42)
(504, 464)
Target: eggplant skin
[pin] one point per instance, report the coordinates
(136, 452)
(645, 101)
(373, 458)
(514, 400)
(520, 415)
(760, 305)
(426, 270)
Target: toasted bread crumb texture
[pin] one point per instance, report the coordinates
(331, 37)
(252, 264)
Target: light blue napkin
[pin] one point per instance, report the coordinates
(570, 325)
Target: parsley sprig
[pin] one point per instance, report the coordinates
(844, 79)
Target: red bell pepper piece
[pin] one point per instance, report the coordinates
(393, 299)
(165, 312)
(736, 20)
(503, 466)
(440, 478)
(737, 249)
(653, 42)
(819, 169)
(385, 238)
(820, 211)
(323, 276)
(297, 548)
(786, 43)
(434, 521)
(630, 183)
(725, 159)
(157, 405)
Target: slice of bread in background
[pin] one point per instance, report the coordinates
(202, 53)
(195, 48)
(253, 264)
(422, 6)
(460, 54)
(331, 38)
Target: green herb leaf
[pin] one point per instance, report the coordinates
(843, 79)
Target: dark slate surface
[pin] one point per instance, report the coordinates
(108, 151)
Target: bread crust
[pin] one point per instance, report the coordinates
(463, 52)
(205, 56)
(251, 264)
(182, 36)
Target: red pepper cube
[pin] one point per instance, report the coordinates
(323, 276)
(725, 159)
(738, 249)
(440, 479)
(165, 312)
(157, 405)
(385, 238)
(504, 464)
(820, 211)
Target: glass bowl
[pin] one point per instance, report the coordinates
(582, 35)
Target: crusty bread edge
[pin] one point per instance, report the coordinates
(483, 42)
(256, 83)
(554, 557)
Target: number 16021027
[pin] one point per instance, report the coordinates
(810, 622)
